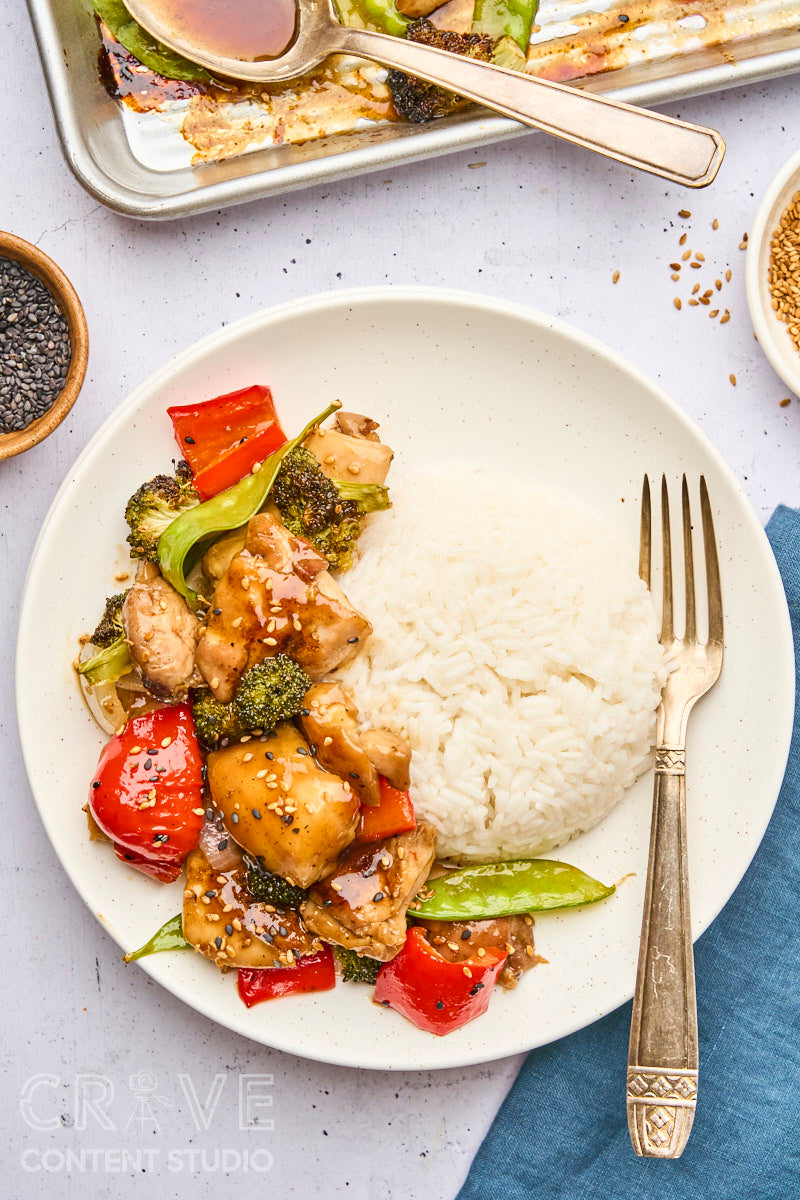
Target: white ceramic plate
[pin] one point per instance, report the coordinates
(445, 373)
(773, 337)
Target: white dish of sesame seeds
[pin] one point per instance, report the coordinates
(447, 374)
(779, 339)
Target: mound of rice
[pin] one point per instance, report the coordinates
(515, 648)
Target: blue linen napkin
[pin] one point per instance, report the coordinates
(562, 1132)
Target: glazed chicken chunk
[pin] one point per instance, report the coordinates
(362, 904)
(276, 597)
(329, 719)
(222, 921)
(161, 633)
(281, 806)
(390, 755)
(351, 449)
(457, 940)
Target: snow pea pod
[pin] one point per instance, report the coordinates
(507, 888)
(168, 937)
(505, 18)
(228, 510)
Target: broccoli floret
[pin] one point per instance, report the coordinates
(267, 888)
(269, 692)
(154, 506)
(110, 627)
(214, 720)
(419, 101)
(356, 968)
(327, 512)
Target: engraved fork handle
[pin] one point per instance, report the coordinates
(662, 1056)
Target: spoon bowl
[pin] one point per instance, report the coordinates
(686, 154)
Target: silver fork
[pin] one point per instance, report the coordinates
(662, 1055)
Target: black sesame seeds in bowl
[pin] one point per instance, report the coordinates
(43, 345)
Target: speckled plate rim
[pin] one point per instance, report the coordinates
(772, 335)
(405, 1048)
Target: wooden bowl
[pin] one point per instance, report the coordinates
(54, 279)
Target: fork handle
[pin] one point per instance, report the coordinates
(662, 1056)
(687, 154)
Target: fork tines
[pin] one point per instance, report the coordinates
(713, 589)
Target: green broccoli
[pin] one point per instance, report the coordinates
(214, 720)
(327, 512)
(154, 506)
(110, 628)
(267, 888)
(356, 968)
(108, 665)
(269, 692)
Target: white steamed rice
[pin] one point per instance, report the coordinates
(515, 648)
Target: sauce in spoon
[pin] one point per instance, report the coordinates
(250, 30)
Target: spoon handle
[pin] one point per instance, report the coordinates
(686, 154)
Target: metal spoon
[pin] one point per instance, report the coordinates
(686, 154)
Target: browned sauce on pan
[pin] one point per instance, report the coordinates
(249, 30)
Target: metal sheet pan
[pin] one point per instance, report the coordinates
(648, 51)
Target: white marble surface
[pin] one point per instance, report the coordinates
(531, 220)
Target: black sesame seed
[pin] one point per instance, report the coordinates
(623, 19)
(305, 712)
(148, 766)
(269, 937)
(376, 899)
(312, 751)
(235, 818)
(287, 818)
(295, 830)
(209, 814)
(268, 754)
(327, 903)
(440, 1004)
(352, 641)
(189, 441)
(161, 838)
(354, 774)
(153, 751)
(223, 845)
(35, 348)
(217, 612)
(211, 895)
(466, 935)
(283, 931)
(229, 930)
(302, 750)
(256, 813)
(154, 779)
(218, 942)
(385, 1003)
(96, 783)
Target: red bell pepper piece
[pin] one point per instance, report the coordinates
(393, 814)
(313, 973)
(436, 995)
(147, 791)
(222, 439)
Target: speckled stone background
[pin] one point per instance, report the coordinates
(110, 1084)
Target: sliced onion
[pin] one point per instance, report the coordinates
(219, 860)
